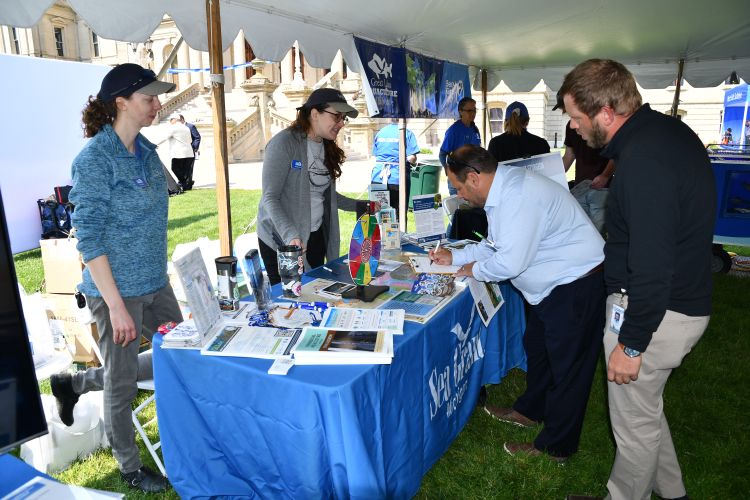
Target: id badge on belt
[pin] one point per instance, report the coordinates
(618, 315)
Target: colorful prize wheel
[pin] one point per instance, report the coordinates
(364, 250)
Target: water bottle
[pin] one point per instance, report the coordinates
(258, 281)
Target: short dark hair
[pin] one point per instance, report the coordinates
(470, 157)
(463, 101)
(596, 83)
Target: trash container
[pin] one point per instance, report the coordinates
(425, 179)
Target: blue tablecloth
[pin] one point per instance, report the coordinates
(368, 431)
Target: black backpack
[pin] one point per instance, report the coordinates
(55, 218)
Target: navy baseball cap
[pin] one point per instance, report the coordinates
(125, 79)
(334, 98)
(517, 108)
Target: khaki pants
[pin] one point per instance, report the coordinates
(645, 459)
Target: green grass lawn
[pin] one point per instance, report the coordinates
(705, 399)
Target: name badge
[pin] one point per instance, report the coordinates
(618, 316)
(140, 182)
(296, 164)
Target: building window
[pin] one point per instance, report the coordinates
(496, 121)
(95, 43)
(14, 39)
(249, 56)
(59, 42)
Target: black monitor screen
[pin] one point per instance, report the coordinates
(21, 413)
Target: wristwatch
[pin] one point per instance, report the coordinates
(630, 352)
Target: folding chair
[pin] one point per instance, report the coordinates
(148, 385)
(144, 385)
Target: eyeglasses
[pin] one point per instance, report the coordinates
(459, 165)
(339, 117)
(145, 74)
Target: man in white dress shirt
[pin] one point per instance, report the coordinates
(181, 150)
(542, 241)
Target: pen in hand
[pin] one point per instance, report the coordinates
(434, 252)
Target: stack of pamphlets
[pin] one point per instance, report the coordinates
(183, 336)
(364, 319)
(323, 346)
(437, 284)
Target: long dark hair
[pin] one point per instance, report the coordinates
(334, 155)
(96, 115)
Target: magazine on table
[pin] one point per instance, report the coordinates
(488, 299)
(253, 342)
(339, 318)
(418, 307)
(323, 346)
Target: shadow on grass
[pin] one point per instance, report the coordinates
(186, 221)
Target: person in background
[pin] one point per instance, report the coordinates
(463, 131)
(540, 239)
(195, 144)
(386, 151)
(516, 141)
(590, 166)
(181, 151)
(660, 221)
(120, 195)
(299, 204)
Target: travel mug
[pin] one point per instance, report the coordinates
(291, 267)
(226, 273)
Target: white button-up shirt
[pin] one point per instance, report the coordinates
(542, 237)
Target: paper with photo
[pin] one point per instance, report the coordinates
(429, 217)
(488, 299)
(252, 342)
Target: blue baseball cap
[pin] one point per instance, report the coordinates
(517, 108)
(125, 79)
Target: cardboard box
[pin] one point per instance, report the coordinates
(63, 268)
(64, 317)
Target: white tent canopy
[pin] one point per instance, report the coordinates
(517, 42)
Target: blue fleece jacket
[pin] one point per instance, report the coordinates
(121, 204)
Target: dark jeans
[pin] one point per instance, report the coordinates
(315, 255)
(563, 340)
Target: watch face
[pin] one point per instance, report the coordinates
(630, 352)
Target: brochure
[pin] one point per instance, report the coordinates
(488, 298)
(338, 318)
(321, 346)
(253, 342)
(380, 193)
(390, 236)
(429, 217)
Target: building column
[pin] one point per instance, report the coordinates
(239, 58)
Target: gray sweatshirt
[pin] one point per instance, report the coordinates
(284, 208)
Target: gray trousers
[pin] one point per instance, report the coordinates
(123, 368)
(645, 459)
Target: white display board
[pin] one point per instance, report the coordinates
(41, 133)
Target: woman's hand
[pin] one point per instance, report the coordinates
(123, 327)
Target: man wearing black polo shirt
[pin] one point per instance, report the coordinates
(660, 218)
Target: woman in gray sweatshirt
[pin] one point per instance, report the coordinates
(299, 205)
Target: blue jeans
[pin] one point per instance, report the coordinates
(594, 203)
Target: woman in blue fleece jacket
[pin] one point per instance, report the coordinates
(121, 199)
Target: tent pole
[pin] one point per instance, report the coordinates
(402, 173)
(678, 84)
(484, 106)
(213, 19)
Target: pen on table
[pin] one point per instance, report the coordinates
(311, 306)
(328, 269)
